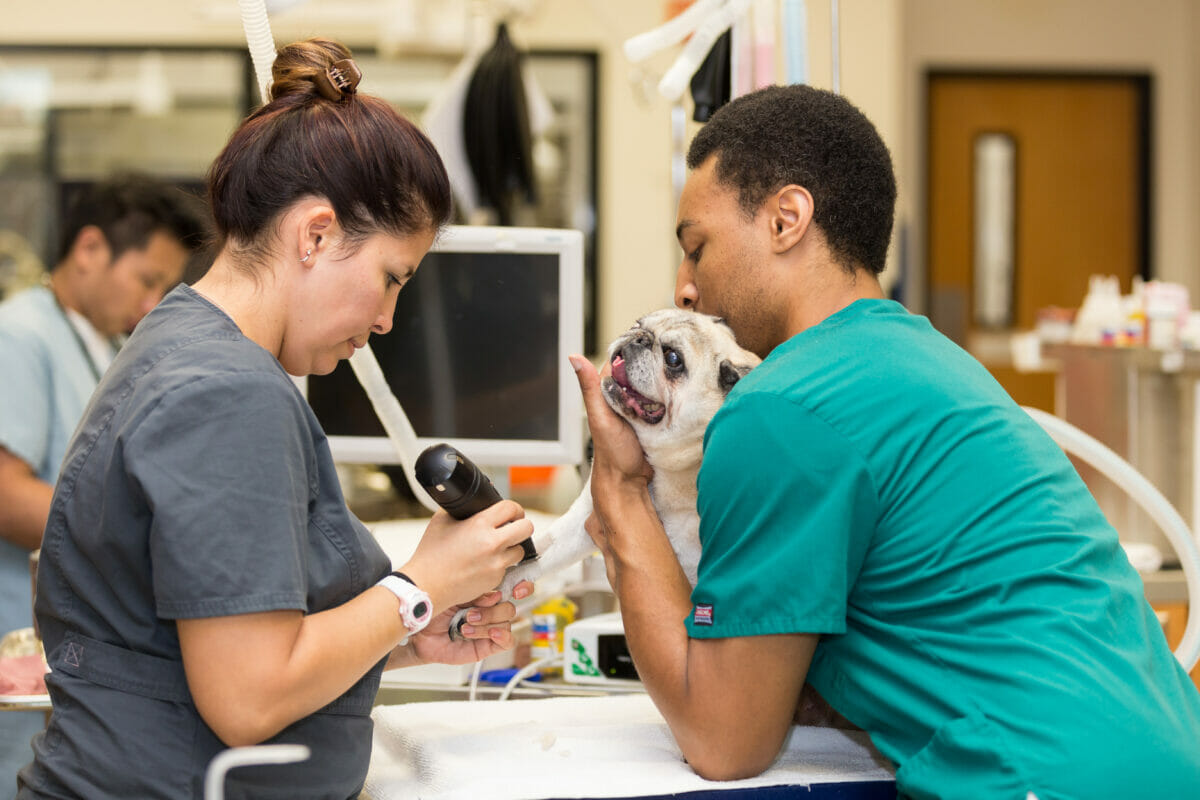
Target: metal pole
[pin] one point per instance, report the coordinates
(836, 48)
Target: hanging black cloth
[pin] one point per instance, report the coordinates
(710, 84)
(496, 129)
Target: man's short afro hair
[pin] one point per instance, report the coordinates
(799, 135)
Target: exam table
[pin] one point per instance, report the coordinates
(614, 746)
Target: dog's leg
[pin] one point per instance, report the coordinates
(560, 545)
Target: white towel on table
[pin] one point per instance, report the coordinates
(610, 746)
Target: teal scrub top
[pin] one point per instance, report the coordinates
(871, 482)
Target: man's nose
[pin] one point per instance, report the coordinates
(686, 293)
(152, 298)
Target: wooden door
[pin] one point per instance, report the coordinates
(1080, 199)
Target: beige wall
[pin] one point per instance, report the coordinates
(885, 47)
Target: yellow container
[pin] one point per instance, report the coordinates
(549, 620)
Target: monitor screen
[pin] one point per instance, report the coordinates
(477, 354)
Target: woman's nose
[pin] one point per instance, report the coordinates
(383, 323)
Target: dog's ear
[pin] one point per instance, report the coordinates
(730, 374)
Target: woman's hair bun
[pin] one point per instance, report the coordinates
(319, 67)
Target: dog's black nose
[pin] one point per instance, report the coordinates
(642, 339)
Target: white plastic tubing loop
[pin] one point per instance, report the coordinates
(1122, 473)
(214, 776)
(675, 81)
(673, 31)
(395, 422)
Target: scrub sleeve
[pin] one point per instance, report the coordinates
(749, 582)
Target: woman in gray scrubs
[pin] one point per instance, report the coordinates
(202, 583)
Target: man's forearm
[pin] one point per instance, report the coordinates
(728, 702)
(655, 597)
(24, 508)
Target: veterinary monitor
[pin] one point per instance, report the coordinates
(477, 354)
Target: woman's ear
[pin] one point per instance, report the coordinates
(313, 226)
(791, 212)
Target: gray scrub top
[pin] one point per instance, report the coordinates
(200, 484)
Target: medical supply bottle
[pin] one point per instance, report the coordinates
(548, 622)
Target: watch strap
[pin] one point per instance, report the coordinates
(416, 609)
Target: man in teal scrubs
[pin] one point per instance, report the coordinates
(878, 518)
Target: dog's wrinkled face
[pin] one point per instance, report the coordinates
(670, 373)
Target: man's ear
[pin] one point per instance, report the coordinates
(90, 251)
(791, 212)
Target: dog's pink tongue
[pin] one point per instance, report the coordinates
(618, 371)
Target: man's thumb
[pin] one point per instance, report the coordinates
(588, 377)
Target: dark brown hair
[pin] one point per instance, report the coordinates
(129, 208)
(376, 169)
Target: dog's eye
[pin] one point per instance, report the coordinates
(672, 358)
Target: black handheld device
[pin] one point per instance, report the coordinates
(458, 485)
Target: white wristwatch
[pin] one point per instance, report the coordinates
(416, 609)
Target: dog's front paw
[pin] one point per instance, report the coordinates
(525, 571)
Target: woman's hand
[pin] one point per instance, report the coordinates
(488, 630)
(457, 561)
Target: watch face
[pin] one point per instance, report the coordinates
(420, 609)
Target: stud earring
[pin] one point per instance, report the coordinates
(307, 255)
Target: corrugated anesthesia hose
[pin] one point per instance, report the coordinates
(680, 73)
(1120, 472)
(257, 26)
(395, 422)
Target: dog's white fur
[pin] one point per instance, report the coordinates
(670, 373)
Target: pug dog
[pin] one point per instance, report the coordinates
(670, 373)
